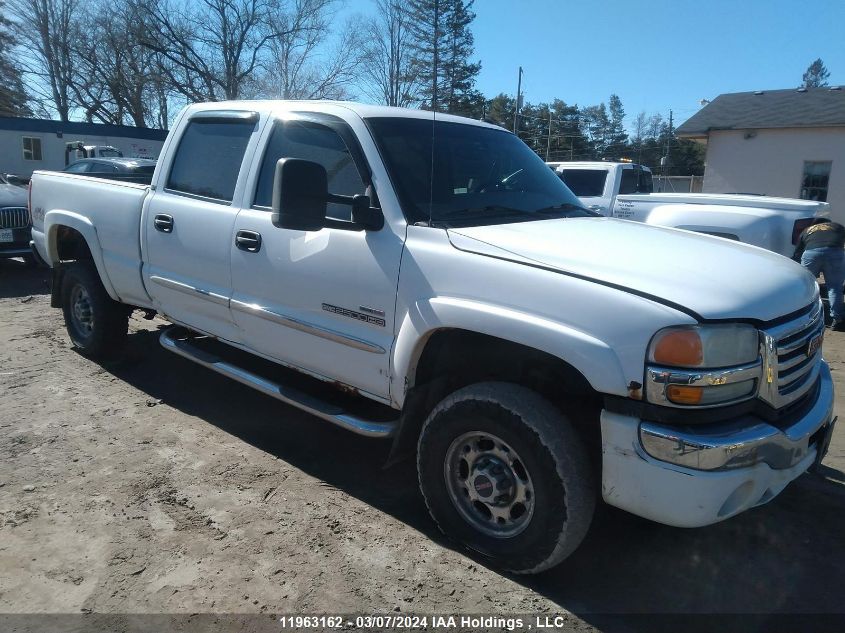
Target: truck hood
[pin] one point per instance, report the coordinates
(712, 277)
(12, 196)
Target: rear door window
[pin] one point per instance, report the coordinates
(629, 181)
(646, 182)
(585, 183)
(635, 180)
(208, 159)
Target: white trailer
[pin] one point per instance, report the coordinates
(30, 144)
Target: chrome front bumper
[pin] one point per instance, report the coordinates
(695, 476)
(744, 442)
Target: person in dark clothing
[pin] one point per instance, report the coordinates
(821, 249)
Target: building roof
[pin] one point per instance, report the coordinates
(72, 128)
(812, 107)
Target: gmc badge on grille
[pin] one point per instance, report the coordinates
(814, 345)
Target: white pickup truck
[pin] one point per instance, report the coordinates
(534, 356)
(624, 190)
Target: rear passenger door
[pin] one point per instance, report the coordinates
(189, 221)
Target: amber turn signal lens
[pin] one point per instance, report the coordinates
(684, 395)
(679, 348)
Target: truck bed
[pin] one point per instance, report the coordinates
(84, 202)
(808, 207)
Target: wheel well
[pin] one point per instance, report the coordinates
(71, 245)
(468, 357)
(456, 358)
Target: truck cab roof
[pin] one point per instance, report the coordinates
(363, 110)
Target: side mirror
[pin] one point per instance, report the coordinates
(365, 215)
(300, 193)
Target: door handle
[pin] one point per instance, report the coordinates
(249, 241)
(163, 223)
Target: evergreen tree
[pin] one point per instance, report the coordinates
(499, 110)
(816, 75)
(13, 99)
(458, 73)
(596, 128)
(617, 138)
(441, 44)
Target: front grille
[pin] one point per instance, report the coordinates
(14, 217)
(790, 367)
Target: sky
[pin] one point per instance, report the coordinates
(655, 54)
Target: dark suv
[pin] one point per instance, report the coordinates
(15, 223)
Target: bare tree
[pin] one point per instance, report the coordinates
(13, 97)
(212, 48)
(48, 29)
(307, 60)
(389, 76)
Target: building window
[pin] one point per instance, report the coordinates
(814, 182)
(31, 148)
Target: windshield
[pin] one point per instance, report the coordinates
(458, 174)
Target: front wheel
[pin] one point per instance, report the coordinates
(97, 325)
(505, 473)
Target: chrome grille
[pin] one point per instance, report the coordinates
(14, 217)
(789, 372)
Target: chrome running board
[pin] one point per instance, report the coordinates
(315, 406)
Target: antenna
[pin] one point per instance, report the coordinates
(518, 101)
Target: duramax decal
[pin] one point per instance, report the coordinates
(372, 320)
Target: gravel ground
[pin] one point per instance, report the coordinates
(153, 486)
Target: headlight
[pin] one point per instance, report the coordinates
(705, 346)
(703, 365)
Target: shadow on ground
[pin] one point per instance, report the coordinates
(786, 557)
(20, 280)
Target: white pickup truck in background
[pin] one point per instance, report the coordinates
(432, 281)
(624, 190)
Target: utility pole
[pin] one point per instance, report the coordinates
(668, 143)
(549, 139)
(518, 99)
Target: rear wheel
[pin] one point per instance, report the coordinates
(96, 324)
(504, 473)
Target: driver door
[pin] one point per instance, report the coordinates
(320, 301)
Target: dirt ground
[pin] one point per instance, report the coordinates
(151, 485)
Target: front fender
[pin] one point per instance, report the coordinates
(596, 361)
(58, 218)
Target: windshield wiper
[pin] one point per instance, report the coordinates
(489, 211)
(567, 206)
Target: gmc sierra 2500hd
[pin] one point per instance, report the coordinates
(531, 354)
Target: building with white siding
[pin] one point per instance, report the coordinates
(30, 144)
(788, 143)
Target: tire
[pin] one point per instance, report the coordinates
(546, 452)
(96, 324)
